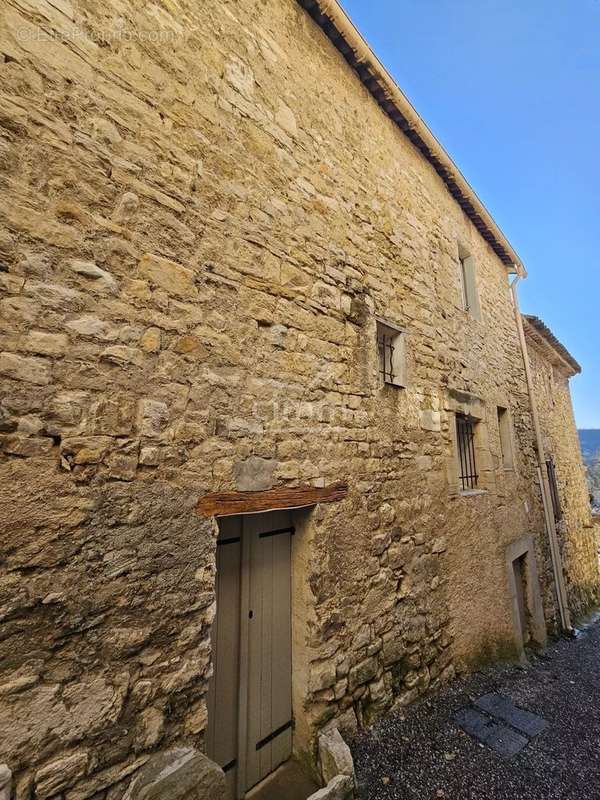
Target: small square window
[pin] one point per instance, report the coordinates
(467, 466)
(506, 444)
(391, 356)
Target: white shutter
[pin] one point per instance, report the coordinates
(471, 293)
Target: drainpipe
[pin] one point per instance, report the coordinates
(557, 567)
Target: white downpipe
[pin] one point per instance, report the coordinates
(557, 567)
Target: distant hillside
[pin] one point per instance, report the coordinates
(590, 445)
(590, 448)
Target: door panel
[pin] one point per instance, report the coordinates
(269, 657)
(250, 696)
(223, 701)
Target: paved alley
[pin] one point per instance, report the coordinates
(551, 752)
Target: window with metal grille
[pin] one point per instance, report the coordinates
(390, 349)
(554, 490)
(465, 434)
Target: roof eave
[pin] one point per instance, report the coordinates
(340, 29)
(537, 330)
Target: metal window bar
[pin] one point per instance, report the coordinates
(554, 490)
(385, 344)
(465, 431)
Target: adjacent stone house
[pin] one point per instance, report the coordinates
(553, 366)
(239, 274)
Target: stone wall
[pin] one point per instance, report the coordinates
(561, 443)
(202, 212)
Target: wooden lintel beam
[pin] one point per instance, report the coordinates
(225, 504)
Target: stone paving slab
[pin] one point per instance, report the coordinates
(506, 742)
(504, 709)
(500, 738)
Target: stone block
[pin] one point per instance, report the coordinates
(285, 118)
(339, 788)
(378, 691)
(150, 456)
(387, 514)
(334, 755)
(64, 411)
(347, 724)
(30, 425)
(439, 545)
(322, 676)
(122, 465)
(424, 463)
(150, 341)
(46, 344)
(362, 637)
(113, 416)
(7, 423)
(123, 356)
(153, 417)
(18, 684)
(5, 782)
(197, 720)
(431, 421)
(60, 774)
(173, 278)
(150, 727)
(340, 689)
(89, 269)
(27, 447)
(254, 474)
(178, 774)
(362, 673)
(240, 76)
(116, 777)
(85, 449)
(393, 650)
(126, 208)
(89, 325)
(21, 368)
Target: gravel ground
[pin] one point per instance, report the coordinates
(419, 753)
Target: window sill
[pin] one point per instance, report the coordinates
(395, 385)
(472, 492)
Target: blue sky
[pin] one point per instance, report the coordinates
(512, 90)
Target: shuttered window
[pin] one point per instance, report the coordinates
(506, 445)
(554, 490)
(468, 276)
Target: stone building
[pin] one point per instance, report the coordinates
(238, 274)
(552, 367)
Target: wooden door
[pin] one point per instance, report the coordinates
(249, 702)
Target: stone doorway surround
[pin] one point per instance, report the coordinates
(299, 502)
(524, 547)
